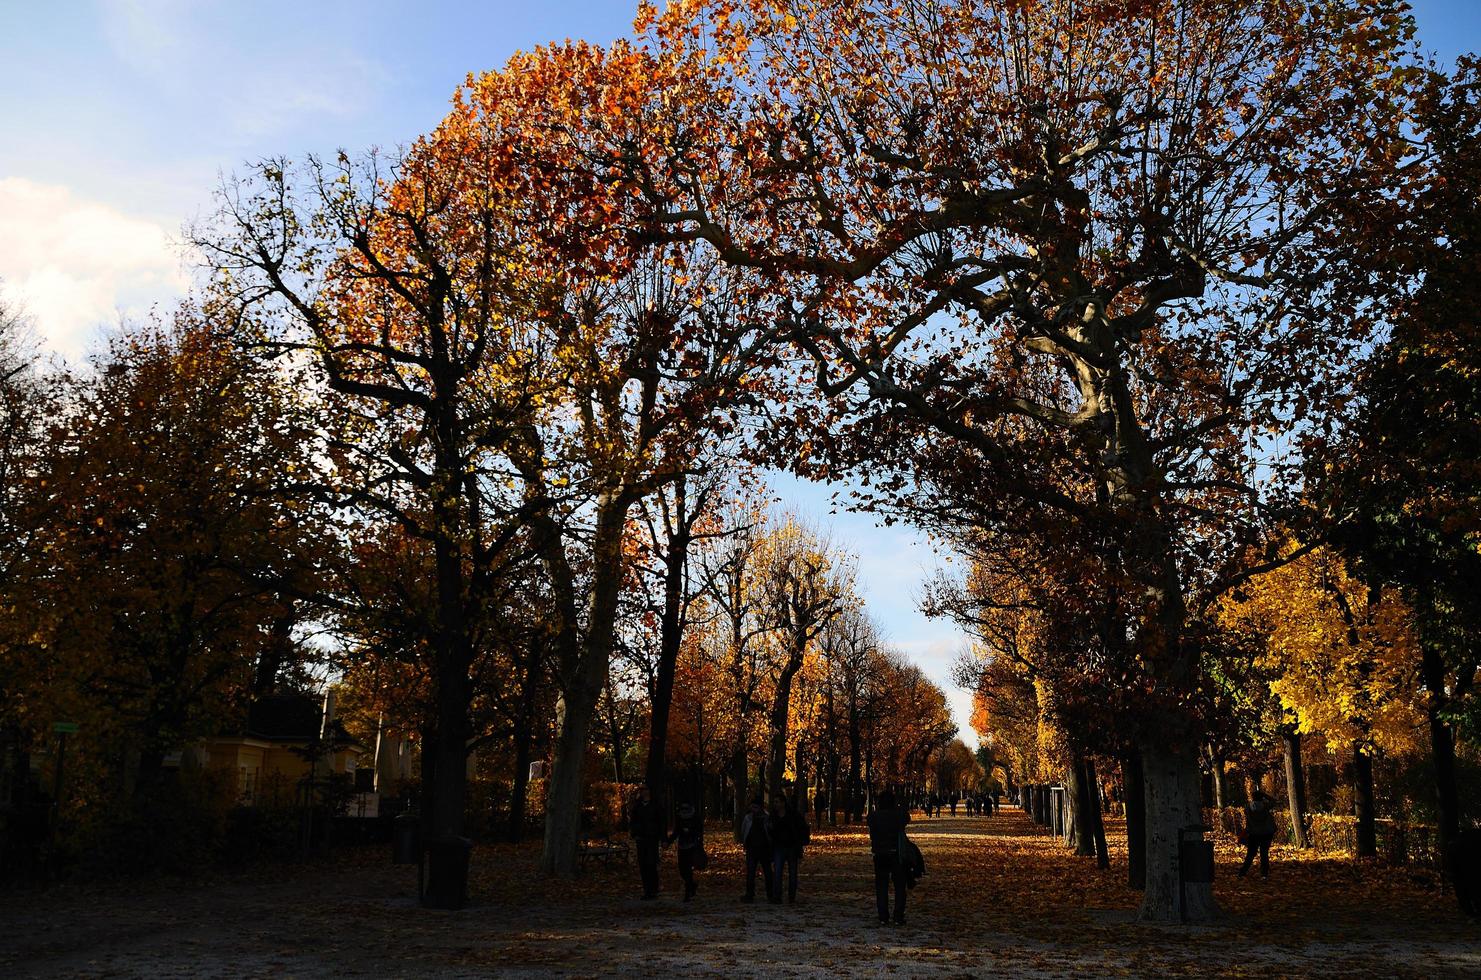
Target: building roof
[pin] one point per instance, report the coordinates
(290, 718)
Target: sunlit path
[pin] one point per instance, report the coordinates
(999, 896)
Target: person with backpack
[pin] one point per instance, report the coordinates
(689, 832)
(886, 827)
(790, 834)
(755, 837)
(1259, 831)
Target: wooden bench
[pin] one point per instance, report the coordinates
(601, 847)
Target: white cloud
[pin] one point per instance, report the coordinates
(213, 63)
(75, 265)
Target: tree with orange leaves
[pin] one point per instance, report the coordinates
(1111, 233)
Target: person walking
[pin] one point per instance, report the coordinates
(645, 823)
(1259, 831)
(689, 833)
(756, 839)
(790, 834)
(886, 824)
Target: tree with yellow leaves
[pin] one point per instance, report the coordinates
(1344, 661)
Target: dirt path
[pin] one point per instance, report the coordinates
(999, 897)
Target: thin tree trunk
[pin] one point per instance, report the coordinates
(519, 793)
(1295, 786)
(1082, 822)
(1102, 855)
(1362, 801)
(1221, 787)
(671, 635)
(584, 666)
(740, 775)
(780, 704)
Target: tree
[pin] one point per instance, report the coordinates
(395, 288)
(801, 589)
(173, 550)
(1114, 234)
(1402, 486)
(1342, 659)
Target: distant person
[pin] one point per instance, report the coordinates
(756, 840)
(886, 824)
(689, 832)
(1259, 831)
(953, 804)
(790, 834)
(645, 824)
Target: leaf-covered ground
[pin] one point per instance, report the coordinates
(1000, 897)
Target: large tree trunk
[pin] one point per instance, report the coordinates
(563, 791)
(446, 882)
(1295, 786)
(1133, 792)
(1170, 775)
(1366, 837)
(585, 673)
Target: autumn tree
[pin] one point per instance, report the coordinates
(395, 289)
(1402, 486)
(28, 399)
(173, 550)
(1342, 658)
(1122, 227)
(801, 586)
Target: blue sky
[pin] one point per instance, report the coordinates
(118, 115)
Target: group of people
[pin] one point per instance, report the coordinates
(983, 804)
(773, 841)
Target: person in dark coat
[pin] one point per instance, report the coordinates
(789, 835)
(1259, 831)
(756, 839)
(689, 833)
(886, 824)
(645, 823)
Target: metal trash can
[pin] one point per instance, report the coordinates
(406, 839)
(447, 873)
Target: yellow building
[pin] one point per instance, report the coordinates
(285, 737)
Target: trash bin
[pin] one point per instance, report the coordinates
(447, 873)
(1195, 857)
(406, 839)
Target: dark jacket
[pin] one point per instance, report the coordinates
(885, 827)
(755, 834)
(645, 822)
(789, 831)
(1259, 822)
(688, 831)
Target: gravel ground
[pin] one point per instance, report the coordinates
(999, 897)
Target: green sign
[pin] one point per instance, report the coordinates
(64, 727)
